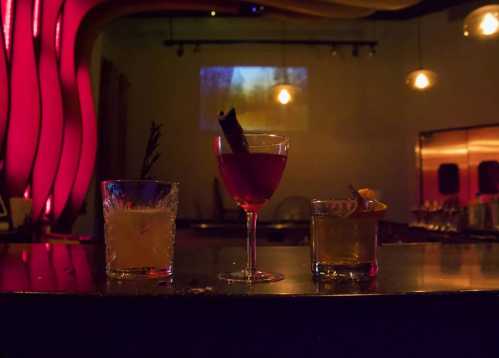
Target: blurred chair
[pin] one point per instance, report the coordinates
(293, 208)
(290, 221)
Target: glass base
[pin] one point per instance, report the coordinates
(247, 277)
(139, 273)
(358, 272)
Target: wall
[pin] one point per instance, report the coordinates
(363, 122)
(468, 73)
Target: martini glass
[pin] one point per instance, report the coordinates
(251, 178)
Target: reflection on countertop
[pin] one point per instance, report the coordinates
(404, 269)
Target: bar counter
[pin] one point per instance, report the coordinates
(426, 296)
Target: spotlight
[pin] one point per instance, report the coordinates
(213, 13)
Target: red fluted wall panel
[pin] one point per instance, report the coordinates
(4, 88)
(24, 122)
(7, 10)
(73, 14)
(49, 147)
(47, 116)
(89, 139)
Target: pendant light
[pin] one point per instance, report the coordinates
(283, 91)
(421, 79)
(482, 23)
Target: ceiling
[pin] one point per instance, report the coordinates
(336, 9)
(457, 8)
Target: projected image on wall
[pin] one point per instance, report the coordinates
(258, 94)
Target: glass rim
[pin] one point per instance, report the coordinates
(322, 201)
(285, 139)
(155, 181)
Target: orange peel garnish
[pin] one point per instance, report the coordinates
(367, 193)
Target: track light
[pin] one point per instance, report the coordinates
(355, 51)
(180, 50)
(334, 47)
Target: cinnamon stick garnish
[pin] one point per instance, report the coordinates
(233, 132)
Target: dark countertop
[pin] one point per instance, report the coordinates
(429, 268)
(428, 300)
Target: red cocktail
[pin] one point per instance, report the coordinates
(251, 178)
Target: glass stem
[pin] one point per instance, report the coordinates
(251, 218)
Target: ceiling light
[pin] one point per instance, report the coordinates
(284, 93)
(489, 24)
(482, 22)
(284, 97)
(421, 80)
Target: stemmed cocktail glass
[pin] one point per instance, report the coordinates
(251, 178)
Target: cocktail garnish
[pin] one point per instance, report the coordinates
(233, 132)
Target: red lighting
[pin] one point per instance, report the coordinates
(7, 23)
(36, 18)
(24, 256)
(58, 29)
(52, 119)
(4, 90)
(74, 12)
(27, 193)
(23, 129)
(48, 206)
(48, 131)
(89, 139)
